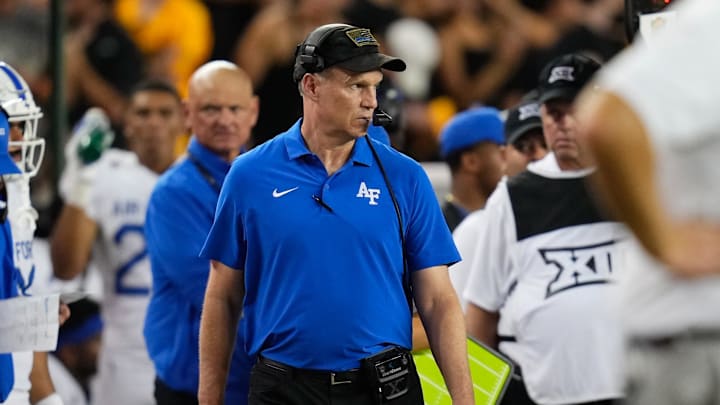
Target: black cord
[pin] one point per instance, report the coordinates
(407, 284)
(204, 172)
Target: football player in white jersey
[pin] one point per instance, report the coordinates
(103, 219)
(32, 379)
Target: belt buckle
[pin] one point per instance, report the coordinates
(336, 382)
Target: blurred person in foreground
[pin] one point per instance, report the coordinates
(655, 134)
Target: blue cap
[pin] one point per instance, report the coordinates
(7, 165)
(379, 134)
(470, 127)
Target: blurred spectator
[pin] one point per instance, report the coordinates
(229, 18)
(555, 27)
(417, 43)
(376, 15)
(74, 362)
(434, 12)
(478, 55)
(266, 52)
(175, 36)
(24, 30)
(472, 144)
(102, 62)
(524, 135)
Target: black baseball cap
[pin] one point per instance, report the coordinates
(346, 46)
(522, 118)
(564, 77)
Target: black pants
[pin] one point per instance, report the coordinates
(165, 395)
(516, 394)
(270, 385)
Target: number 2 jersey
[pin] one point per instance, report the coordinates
(118, 203)
(547, 262)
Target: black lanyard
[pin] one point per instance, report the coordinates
(407, 281)
(204, 172)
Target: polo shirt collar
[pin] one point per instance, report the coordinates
(217, 166)
(296, 147)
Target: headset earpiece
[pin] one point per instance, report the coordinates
(307, 59)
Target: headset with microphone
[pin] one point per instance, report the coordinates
(307, 60)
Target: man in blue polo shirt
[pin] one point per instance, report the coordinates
(308, 244)
(221, 111)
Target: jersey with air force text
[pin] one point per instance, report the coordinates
(547, 261)
(22, 217)
(118, 204)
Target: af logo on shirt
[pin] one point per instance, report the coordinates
(371, 194)
(579, 266)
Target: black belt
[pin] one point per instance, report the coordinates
(693, 335)
(353, 376)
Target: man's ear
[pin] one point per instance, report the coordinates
(310, 85)
(469, 161)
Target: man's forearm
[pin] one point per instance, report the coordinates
(72, 242)
(482, 324)
(217, 339)
(218, 327)
(445, 327)
(41, 382)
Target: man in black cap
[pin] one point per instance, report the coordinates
(539, 292)
(322, 239)
(524, 135)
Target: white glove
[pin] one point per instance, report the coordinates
(77, 177)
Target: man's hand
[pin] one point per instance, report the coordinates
(64, 313)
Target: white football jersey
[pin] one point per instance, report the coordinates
(465, 236)
(547, 262)
(22, 217)
(118, 202)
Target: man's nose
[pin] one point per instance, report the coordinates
(369, 99)
(16, 131)
(227, 115)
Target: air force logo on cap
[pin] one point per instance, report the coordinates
(361, 37)
(562, 73)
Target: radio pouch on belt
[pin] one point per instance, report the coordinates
(388, 373)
